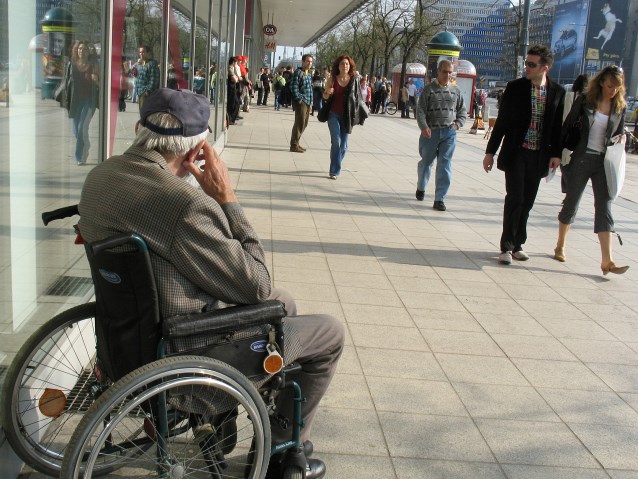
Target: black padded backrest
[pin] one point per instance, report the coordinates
(127, 316)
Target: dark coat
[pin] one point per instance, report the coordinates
(355, 111)
(513, 121)
(615, 125)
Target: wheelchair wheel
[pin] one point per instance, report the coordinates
(175, 405)
(293, 472)
(391, 108)
(49, 386)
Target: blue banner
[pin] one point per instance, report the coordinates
(568, 40)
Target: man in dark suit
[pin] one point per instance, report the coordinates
(529, 125)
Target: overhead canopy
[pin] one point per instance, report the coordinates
(298, 22)
(301, 22)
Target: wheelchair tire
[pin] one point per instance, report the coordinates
(391, 108)
(293, 472)
(54, 358)
(129, 412)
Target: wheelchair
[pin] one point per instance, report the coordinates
(160, 398)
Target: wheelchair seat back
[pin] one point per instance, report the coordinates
(127, 319)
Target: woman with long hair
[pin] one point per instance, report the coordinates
(83, 99)
(602, 113)
(344, 89)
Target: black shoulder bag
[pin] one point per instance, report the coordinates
(573, 125)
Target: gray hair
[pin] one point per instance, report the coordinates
(175, 144)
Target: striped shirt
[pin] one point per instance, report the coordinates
(533, 135)
(301, 86)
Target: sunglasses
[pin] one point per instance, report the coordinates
(614, 68)
(532, 64)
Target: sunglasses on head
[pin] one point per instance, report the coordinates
(532, 64)
(614, 68)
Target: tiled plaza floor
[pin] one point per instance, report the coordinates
(455, 366)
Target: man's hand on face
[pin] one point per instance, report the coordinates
(212, 175)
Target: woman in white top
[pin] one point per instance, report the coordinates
(601, 111)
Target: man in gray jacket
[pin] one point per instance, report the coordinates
(440, 112)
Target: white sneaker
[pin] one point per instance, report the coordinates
(520, 255)
(505, 258)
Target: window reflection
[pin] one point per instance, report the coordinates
(51, 68)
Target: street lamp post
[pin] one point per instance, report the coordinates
(525, 37)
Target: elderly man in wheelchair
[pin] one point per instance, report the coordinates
(141, 217)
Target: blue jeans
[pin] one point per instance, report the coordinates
(338, 141)
(81, 123)
(439, 146)
(277, 99)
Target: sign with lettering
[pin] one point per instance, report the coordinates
(270, 45)
(270, 30)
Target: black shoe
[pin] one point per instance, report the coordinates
(439, 206)
(315, 469)
(240, 117)
(420, 195)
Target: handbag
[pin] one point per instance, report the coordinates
(615, 159)
(322, 116)
(570, 136)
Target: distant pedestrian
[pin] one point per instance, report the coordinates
(404, 101)
(148, 75)
(278, 84)
(412, 94)
(317, 91)
(529, 125)
(301, 100)
(265, 85)
(260, 90)
(440, 112)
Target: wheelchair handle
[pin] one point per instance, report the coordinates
(119, 240)
(59, 214)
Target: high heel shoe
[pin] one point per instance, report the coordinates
(559, 254)
(612, 268)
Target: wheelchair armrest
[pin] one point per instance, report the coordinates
(224, 320)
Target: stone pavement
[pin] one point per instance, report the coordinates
(455, 366)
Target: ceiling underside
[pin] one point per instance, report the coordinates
(301, 22)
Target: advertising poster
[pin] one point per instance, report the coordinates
(568, 40)
(606, 32)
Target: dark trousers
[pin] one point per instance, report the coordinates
(522, 179)
(264, 100)
(260, 95)
(580, 170)
(302, 112)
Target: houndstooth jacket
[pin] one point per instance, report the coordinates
(202, 252)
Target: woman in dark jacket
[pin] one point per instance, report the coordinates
(602, 113)
(346, 109)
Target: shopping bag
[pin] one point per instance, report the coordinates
(615, 158)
